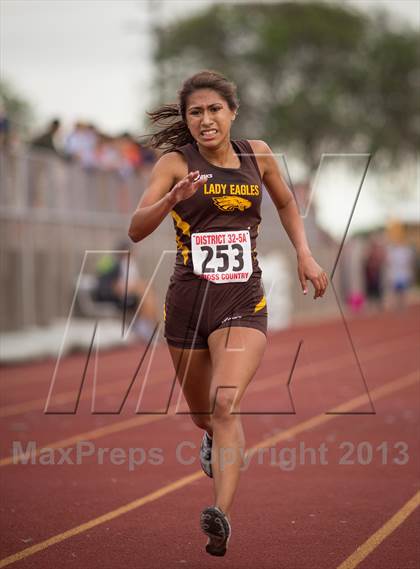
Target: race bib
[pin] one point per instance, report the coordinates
(222, 256)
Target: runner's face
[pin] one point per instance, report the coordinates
(209, 117)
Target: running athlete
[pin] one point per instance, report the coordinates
(212, 187)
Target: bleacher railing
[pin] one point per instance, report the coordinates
(51, 211)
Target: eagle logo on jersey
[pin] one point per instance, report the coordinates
(230, 203)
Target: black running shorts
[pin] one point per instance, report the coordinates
(195, 308)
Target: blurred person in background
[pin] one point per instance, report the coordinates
(131, 156)
(400, 268)
(373, 272)
(130, 160)
(4, 127)
(43, 149)
(114, 286)
(80, 145)
(352, 274)
(46, 139)
(107, 155)
(149, 155)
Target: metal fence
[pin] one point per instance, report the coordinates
(51, 211)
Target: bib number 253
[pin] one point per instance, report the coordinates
(222, 256)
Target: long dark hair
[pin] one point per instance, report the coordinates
(171, 119)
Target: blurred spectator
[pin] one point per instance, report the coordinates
(46, 139)
(107, 156)
(373, 271)
(95, 152)
(81, 144)
(400, 265)
(4, 127)
(112, 280)
(149, 155)
(129, 161)
(39, 171)
(352, 275)
(131, 156)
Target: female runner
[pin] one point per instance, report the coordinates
(215, 308)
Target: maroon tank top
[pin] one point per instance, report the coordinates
(230, 201)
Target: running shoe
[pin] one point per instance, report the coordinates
(216, 526)
(205, 454)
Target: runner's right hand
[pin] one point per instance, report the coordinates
(187, 187)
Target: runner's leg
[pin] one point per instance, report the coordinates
(194, 371)
(236, 353)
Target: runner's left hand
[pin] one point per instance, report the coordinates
(308, 269)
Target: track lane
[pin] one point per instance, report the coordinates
(378, 393)
(305, 370)
(371, 369)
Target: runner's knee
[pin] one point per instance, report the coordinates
(203, 421)
(223, 407)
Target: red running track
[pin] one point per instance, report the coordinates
(324, 491)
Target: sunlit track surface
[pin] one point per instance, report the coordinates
(312, 515)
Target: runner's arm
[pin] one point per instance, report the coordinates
(157, 200)
(282, 197)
